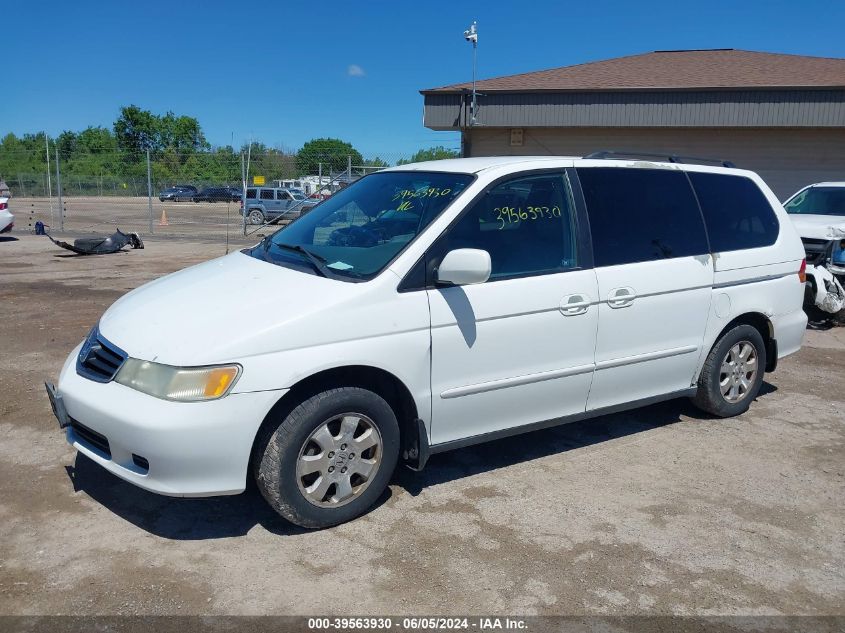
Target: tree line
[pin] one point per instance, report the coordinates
(99, 160)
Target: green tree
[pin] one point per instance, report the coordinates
(432, 153)
(375, 162)
(96, 140)
(137, 130)
(332, 153)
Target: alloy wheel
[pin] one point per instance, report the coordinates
(738, 371)
(339, 460)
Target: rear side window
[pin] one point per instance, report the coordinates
(266, 194)
(737, 213)
(250, 193)
(640, 215)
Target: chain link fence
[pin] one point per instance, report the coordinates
(170, 194)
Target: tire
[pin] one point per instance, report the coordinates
(722, 392)
(315, 436)
(256, 217)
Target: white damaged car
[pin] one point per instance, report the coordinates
(7, 220)
(818, 214)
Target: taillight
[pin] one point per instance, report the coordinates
(3, 206)
(802, 272)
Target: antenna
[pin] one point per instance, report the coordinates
(471, 35)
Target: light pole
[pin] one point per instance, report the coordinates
(471, 35)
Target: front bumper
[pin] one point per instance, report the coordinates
(191, 449)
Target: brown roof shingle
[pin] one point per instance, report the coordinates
(676, 70)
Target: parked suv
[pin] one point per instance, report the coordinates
(269, 203)
(432, 306)
(217, 194)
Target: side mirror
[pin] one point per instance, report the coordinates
(464, 266)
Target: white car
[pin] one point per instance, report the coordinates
(7, 220)
(432, 306)
(818, 214)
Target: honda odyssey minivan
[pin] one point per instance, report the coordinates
(432, 306)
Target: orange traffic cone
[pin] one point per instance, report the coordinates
(163, 221)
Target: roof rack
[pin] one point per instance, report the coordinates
(672, 158)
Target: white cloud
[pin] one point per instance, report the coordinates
(355, 70)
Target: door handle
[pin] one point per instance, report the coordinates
(621, 297)
(573, 305)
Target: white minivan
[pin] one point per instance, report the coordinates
(432, 306)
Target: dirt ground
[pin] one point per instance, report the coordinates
(86, 214)
(656, 511)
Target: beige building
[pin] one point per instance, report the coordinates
(780, 115)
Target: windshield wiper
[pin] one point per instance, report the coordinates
(317, 261)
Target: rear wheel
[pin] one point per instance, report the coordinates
(733, 372)
(256, 217)
(330, 459)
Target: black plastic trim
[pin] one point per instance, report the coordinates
(417, 451)
(91, 438)
(671, 158)
(771, 355)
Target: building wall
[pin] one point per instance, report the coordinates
(787, 159)
(635, 108)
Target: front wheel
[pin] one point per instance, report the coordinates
(733, 373)
(256, 217)
(328, 460)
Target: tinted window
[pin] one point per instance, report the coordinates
(266, 194)
(527, 225)
(250, 193)
(640, 215)
(818, 201)
(737, 214)
(284, 195)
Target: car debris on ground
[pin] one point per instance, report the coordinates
(113, 243)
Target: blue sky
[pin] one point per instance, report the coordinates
(285, 72)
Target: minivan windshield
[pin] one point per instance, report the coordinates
(355, 233)
(818, 201)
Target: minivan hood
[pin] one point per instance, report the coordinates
(223, 309)
(823, 227)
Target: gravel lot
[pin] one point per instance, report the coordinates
(197, 220)
(657, 511)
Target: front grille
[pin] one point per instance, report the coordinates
(98, 359)
(91, 437)
(815, 249)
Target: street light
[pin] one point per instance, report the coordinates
(471, 35)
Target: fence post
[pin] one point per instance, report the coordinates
(149, 192)
(243, 193)
(348, 169)
(49, 184)
(59, 192)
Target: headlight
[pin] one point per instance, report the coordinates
(183, 384)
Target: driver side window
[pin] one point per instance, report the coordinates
(527, 225)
